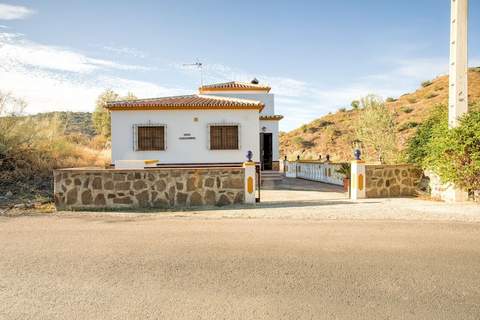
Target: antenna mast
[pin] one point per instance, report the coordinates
(199, 65)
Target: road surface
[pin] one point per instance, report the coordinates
(164, 267)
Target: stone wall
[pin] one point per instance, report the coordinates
(392, 180)
(148, 188)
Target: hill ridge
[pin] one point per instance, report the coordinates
(333, 133)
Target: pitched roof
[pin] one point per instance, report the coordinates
(234, 86)
(189, 102)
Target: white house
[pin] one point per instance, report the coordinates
(218, 126)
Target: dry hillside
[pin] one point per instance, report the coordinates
(333, 134)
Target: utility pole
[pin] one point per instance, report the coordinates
(458, 86)
(458, 78)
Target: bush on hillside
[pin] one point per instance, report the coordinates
(453, 154)
(406, 109)
(426, 83)
(300, 142)
(355, 104)
(408, 125)
(324, 123)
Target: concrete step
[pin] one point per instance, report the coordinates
(271, 176)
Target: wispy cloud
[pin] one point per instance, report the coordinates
(16, 50)
(58, 78)
(54, 78)
(12, 12)
(126, 51)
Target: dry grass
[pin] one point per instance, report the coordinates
(30, 149)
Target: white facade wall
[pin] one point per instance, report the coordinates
(269, 101)
(181, 122)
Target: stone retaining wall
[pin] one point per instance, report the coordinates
(148, 188)
(391, 180)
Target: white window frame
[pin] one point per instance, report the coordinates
(221, 124)
(149, 124)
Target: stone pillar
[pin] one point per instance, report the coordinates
(458, 79)
(357, 180)
(249, 182)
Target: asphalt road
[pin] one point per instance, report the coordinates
(198, 268)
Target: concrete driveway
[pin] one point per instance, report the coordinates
(90, 266)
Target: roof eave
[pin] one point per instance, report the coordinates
(202, 90)
(183, 107)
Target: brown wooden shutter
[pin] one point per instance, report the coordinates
(223, 137)
(151, 138)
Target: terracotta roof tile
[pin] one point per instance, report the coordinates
(234, 86)
(195, 101)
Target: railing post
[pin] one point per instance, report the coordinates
(357, 180)
(249, 168)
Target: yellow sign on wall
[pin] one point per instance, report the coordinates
(360, 182)
(250, 184)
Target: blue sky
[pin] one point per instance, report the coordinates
(316, 55)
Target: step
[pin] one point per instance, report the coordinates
(271, 175)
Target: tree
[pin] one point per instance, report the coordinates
(453, 154)
(101, 116)
(375, 128)
(417, 149)
(355, 104)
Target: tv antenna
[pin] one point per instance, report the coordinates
(199, 65)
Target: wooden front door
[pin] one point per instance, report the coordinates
(266, 151)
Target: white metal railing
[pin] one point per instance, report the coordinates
(314, 170)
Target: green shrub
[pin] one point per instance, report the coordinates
(417, 146)
(304, 128)
(313, 129)
(342, 109)
(426, 83)
(432, 95)
(453, 154)
(375, 128)
(406, 109)
(355, 104)
(324, 123)
(408, 125)
(390, 99)
(302, 143)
